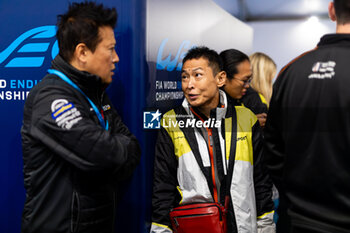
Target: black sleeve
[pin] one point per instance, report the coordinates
(274, 144)
(119, 126)
(262, 181)
(165, 179)
(133, 148)
(253, 101)
(84, 144)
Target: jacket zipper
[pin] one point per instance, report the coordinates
(210, 143)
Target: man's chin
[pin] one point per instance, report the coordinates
(107, 82)
(194, 103)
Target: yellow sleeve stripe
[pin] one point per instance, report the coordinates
(178, 189)
(161, 225)
(62, 109)
(265, 214)
(262, 98)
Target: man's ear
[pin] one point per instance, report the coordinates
(221, 78)
(81, 53)
(331, 11)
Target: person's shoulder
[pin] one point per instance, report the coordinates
(255, 101)
(46, 83)
(49, 87)
(251, 94)
(244, 110)
(251, 91)
(170, 117)
(258, 96)
(170, 112)
(299, 60)
(50, 81)
(245, 116)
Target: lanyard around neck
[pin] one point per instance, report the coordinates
(66, 79)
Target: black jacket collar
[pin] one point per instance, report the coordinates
(340, 39)
(90, 84)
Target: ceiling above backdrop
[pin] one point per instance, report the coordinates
(253, 10)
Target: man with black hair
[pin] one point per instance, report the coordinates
(198, 145)
(75, 147)
(307, 134)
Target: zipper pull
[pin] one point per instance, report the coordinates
(176, 222)
(210, 137)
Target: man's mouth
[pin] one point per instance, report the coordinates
(193, 96)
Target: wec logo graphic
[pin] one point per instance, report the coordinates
(168, 63)
(30, 48)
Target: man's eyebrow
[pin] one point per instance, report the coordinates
(195, 69)
(199, 68)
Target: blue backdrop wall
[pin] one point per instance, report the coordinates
(27, 46)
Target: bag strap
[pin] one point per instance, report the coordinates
(211, 155)
(232, 156)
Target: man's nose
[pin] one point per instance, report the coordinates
(115, 58)
(191, 82)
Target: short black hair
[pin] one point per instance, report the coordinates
(214, 60)
(231, 58)
(342, 11)
(81, 25)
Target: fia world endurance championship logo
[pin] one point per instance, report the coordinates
(30, 48)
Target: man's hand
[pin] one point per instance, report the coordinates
(261, 118)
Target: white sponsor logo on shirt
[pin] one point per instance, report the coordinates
(65, 113)
(323, 70)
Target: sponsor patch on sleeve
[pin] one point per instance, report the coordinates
(65, 113)
(106, 107)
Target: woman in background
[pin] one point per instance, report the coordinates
(264, 70)
(258, 96)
